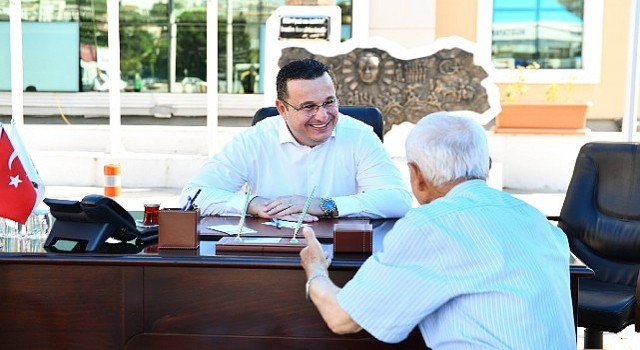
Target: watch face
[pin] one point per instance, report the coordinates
(328, 206)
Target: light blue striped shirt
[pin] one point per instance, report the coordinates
(476, 269)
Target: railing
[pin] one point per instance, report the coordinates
(157, 104)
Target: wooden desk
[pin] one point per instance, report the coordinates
(172, 300)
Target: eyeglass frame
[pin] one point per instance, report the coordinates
(316, 108)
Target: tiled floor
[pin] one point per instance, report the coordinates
(627, 339)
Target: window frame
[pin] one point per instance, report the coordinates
(591, 49)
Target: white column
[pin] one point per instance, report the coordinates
(229, 46)
(113, 71)
(15, 38)
(360, 14)
(212, 76)
(630, 116)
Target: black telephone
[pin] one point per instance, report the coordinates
(88, 223)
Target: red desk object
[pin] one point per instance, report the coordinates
(353, 238)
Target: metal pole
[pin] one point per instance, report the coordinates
(212, 76)
(17, 80)
(630, 116)
(229, 46)
(172, 48)
(113, 25)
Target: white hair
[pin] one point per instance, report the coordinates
(447, 146)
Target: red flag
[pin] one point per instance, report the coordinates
(17, 194)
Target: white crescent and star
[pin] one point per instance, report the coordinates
(11, 158)
(13, 180)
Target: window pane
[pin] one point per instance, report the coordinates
(549, 32)
(144, 45)
(43, 11)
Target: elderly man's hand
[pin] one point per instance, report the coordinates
(314, 259)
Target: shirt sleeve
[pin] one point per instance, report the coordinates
(220, 179)
(381, 297)
(382, 192)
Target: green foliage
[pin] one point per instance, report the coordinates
(137, 49)
(144, 39)
(191, 51)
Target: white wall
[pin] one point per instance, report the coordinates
(409, 23)
(166, 156)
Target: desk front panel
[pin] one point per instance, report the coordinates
(152, 302)
(236, 308)
(69, 307)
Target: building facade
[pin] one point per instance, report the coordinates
(163, 56)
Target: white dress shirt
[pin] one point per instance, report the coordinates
(352, 167)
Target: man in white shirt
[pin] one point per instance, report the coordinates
(310, 145)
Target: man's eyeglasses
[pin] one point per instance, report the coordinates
(311, 109)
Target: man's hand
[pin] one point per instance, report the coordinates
(284, 208)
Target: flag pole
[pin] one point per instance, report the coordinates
(15, 37)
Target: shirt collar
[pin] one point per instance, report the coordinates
(466, 186)
(285, 136)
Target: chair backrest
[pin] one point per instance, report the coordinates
(601, 210)
(368, 114)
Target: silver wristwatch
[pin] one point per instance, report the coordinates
(328, 207)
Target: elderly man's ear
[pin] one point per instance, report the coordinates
(419, 185)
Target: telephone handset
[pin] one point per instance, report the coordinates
(88, 223)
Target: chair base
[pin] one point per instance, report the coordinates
(592, 339)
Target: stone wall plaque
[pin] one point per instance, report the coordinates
(408, 89)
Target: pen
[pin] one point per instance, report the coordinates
(276, 222)
(244, 213)
(193, 200)
(186, 206)
(302, 215)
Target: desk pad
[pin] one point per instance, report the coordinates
(323, 227)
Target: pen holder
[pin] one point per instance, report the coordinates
(353, 239)
(178, 229)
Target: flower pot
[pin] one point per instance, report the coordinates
(541, 118)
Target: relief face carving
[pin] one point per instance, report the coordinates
(404, 90)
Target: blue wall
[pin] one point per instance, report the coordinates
(51, 56)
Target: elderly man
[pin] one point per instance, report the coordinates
(472, 266)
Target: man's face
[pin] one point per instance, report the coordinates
(310, 125)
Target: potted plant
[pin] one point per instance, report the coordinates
(556, 114)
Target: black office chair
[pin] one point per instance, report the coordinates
(368, 114)
(601, 217)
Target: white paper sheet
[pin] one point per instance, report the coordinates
(231, 229)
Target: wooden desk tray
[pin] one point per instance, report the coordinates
(257, 246)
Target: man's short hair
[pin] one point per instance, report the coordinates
(305, 69)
